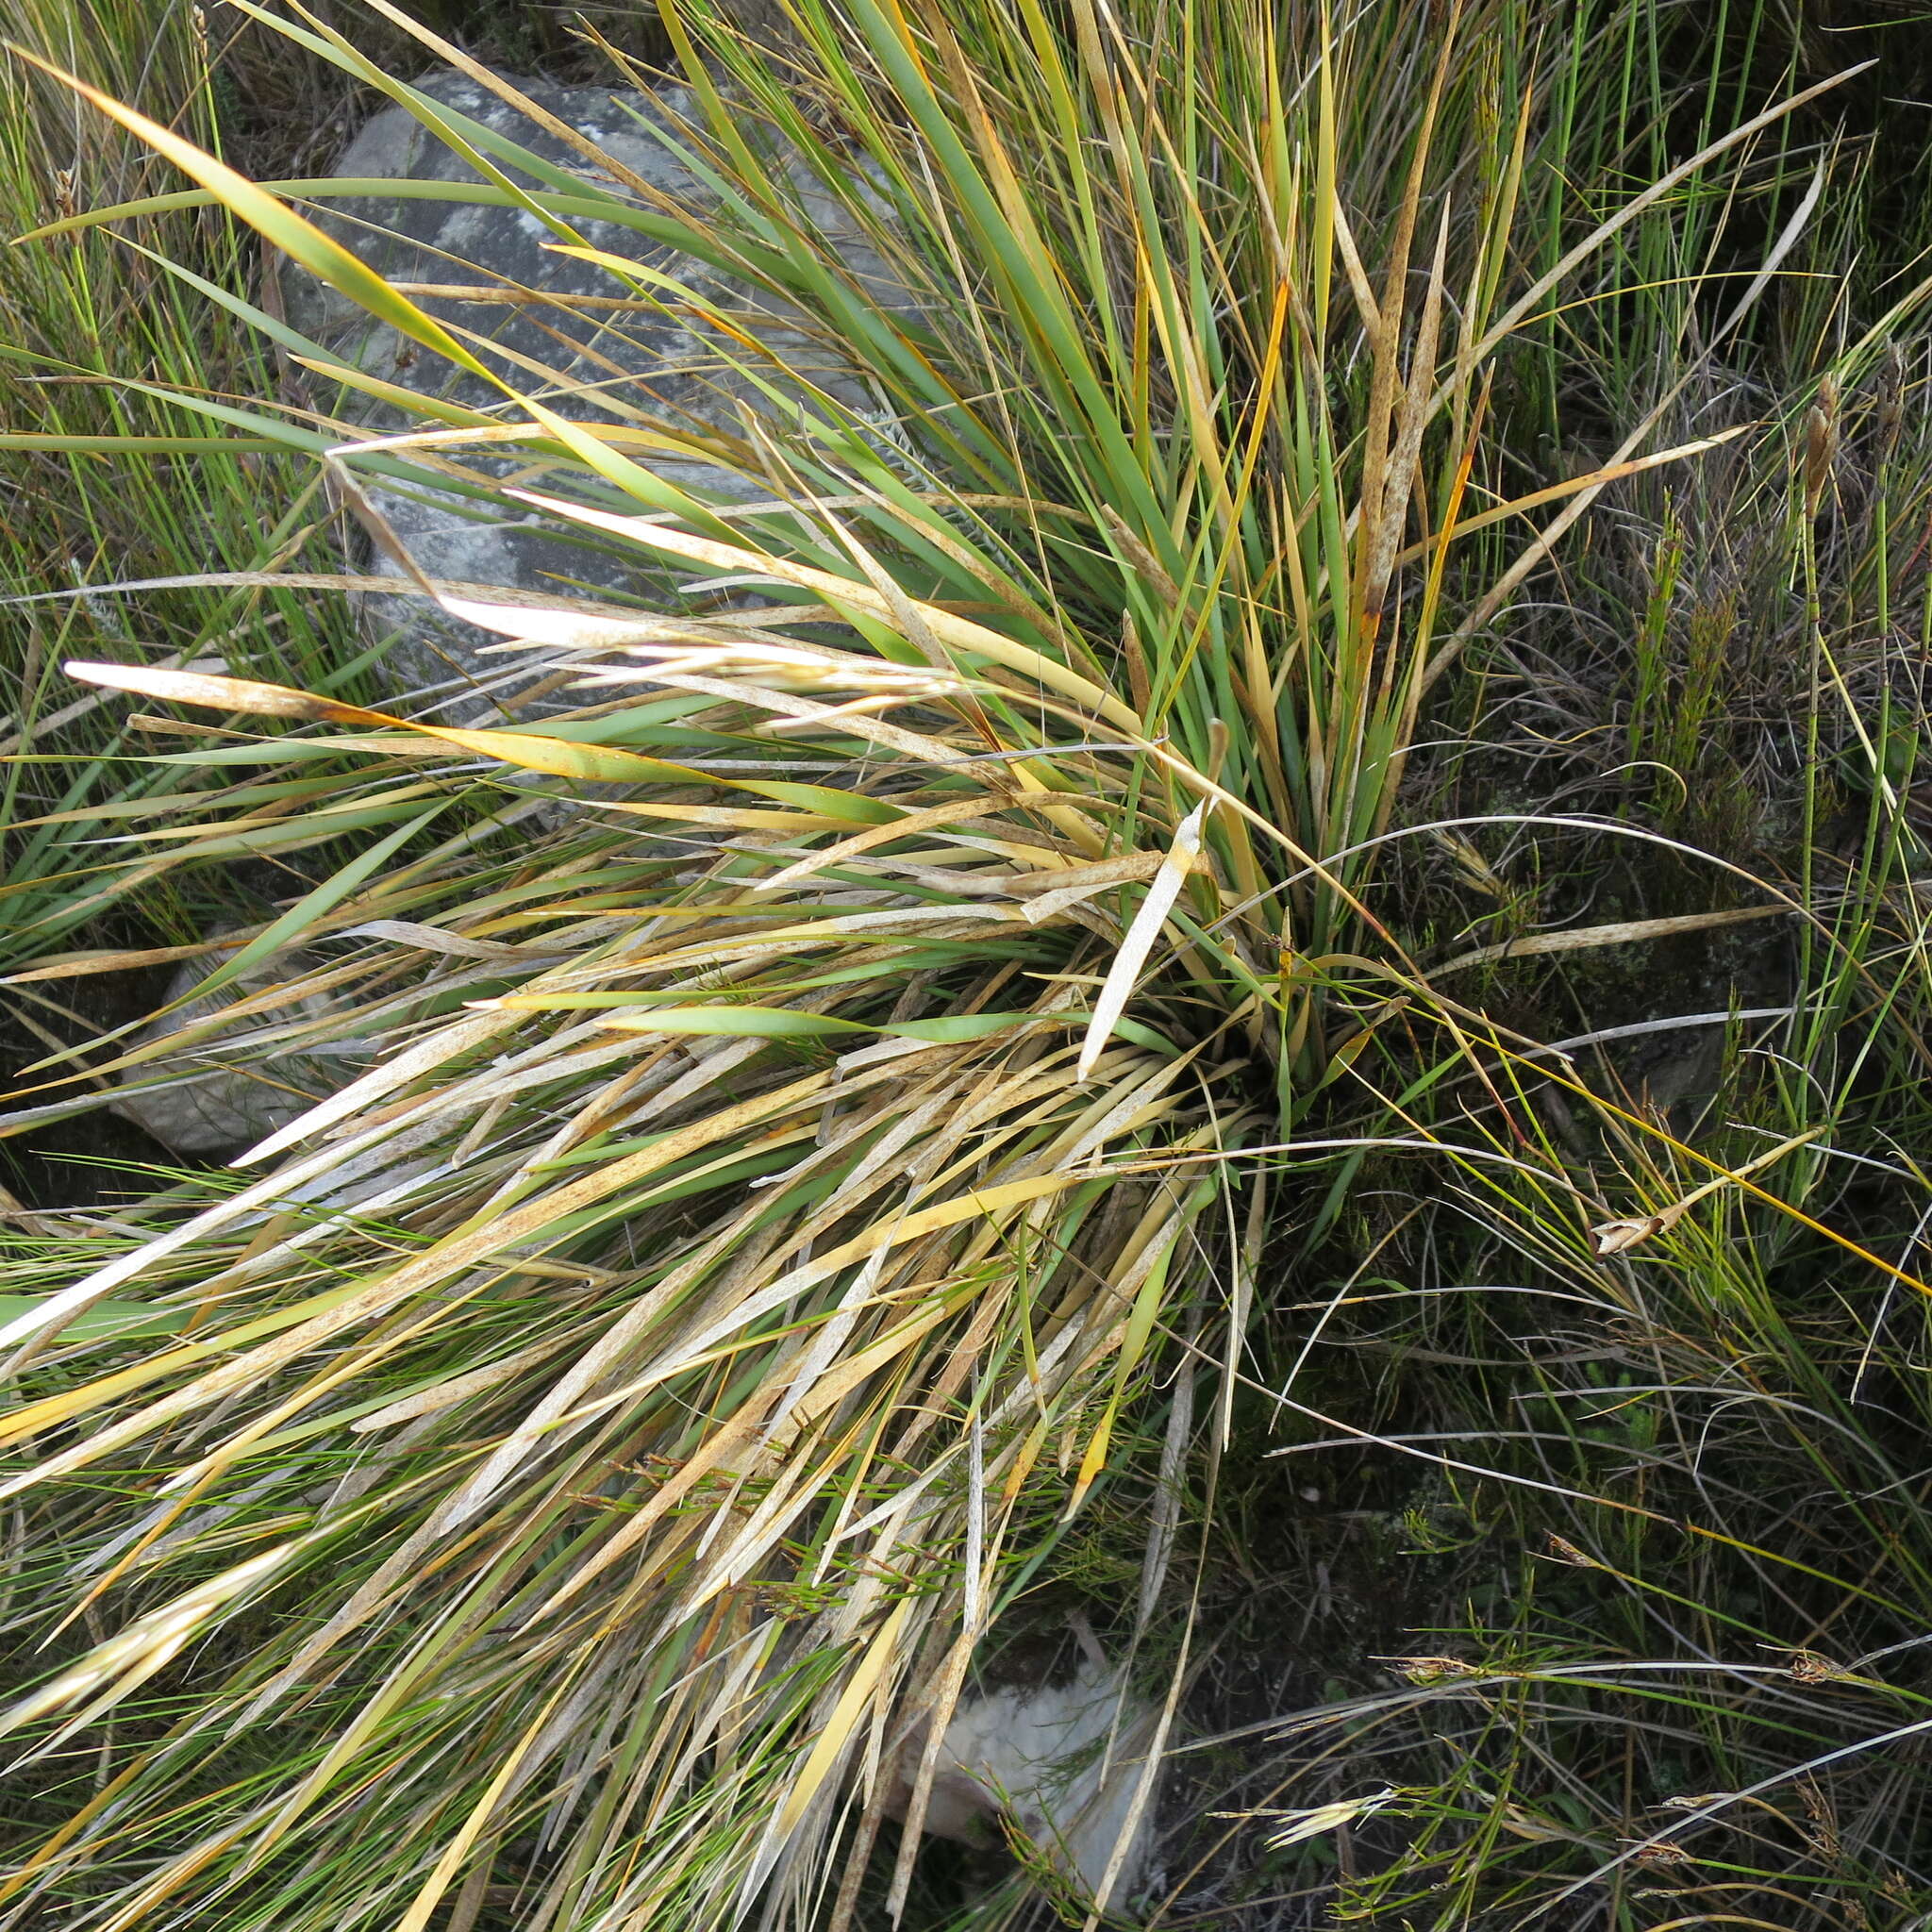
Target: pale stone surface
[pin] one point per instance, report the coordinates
(1041, 1753)
(642, 359)
(216, 1096)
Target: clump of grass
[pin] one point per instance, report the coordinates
(783, 1200)
(122, 460)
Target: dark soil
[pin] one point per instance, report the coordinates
(91, 1159)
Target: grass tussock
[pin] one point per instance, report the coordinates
(125, 355)
(1277, 990)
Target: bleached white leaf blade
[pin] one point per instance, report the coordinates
(1125, 971)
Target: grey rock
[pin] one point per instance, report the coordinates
(650, 358)
(1063, 1760)
(213, 1096)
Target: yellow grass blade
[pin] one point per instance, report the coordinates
(278, 224)
(843, 1720)
(960, 633)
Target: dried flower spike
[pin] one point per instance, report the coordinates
(1821, 444)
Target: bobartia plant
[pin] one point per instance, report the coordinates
(812, 1099)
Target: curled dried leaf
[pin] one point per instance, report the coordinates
(1619, 1236)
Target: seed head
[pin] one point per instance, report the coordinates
(1821, 444)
